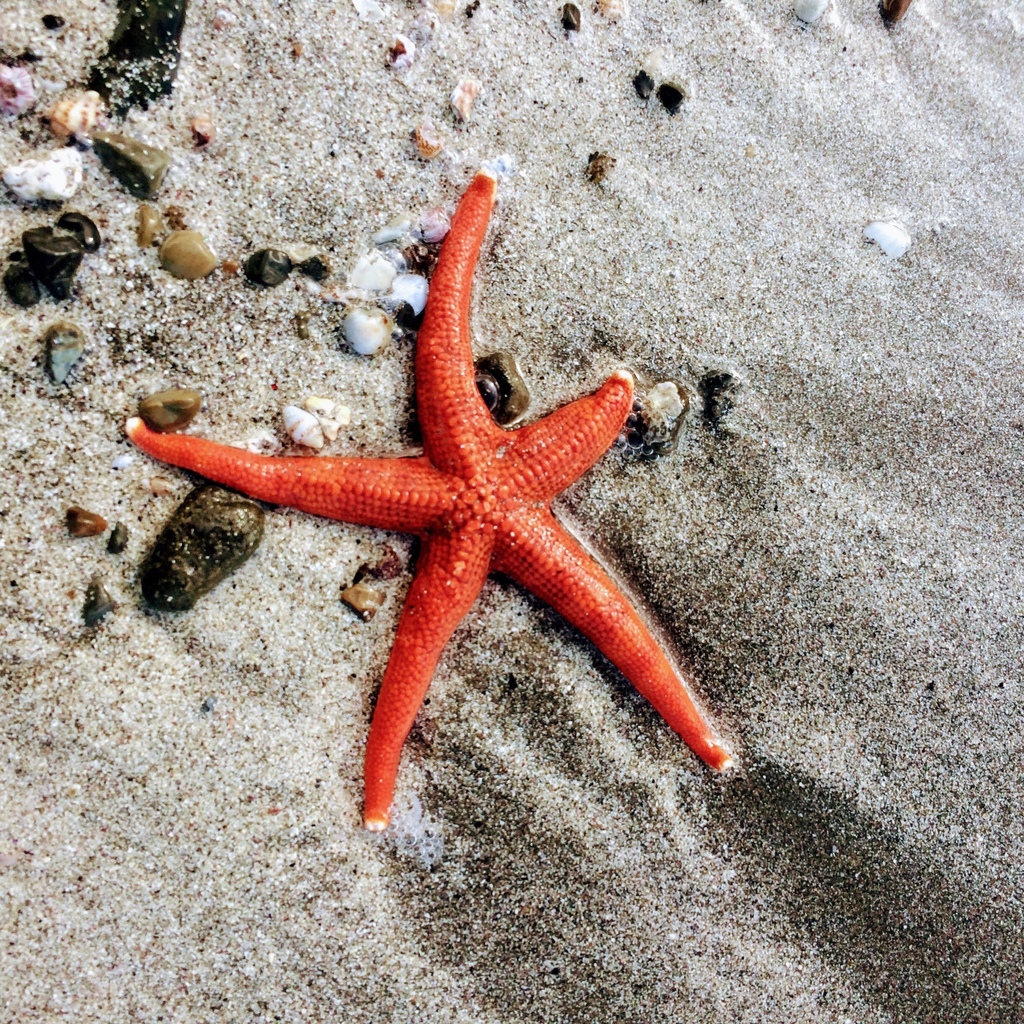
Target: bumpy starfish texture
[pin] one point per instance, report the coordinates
(479, 498)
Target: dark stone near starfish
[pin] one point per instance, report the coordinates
(54, 258)
(98, 603)
(141, 61)
(139, 167)
(644, 85)
(315, 267)
(211, 534)
(64, 343)
(571, 18)
(21, 285)
(502, 387)
(83, 228)
(170, 410)
(118, 539)
(268, 267)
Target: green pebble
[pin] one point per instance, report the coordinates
(185, 254)
(98, 603)
(211, 534)
(20, 283)
(118, 539)
(170, 410)
(315, 267)
(64, 343)
(140, 168)
(268, 266)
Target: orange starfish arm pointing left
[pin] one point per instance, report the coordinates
(480, 500)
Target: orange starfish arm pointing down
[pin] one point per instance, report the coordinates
(479, 498)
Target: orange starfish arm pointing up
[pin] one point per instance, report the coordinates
(480, 498)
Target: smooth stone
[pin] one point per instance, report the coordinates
(54, 258)
(118, 539)
(64, 343)
(98, 603)
(367, 330)
(269, 267)
(498, 375)
(21, 285)
(151, 224)
(211, 534)
(140, 168)
(141, 61)
(83, 228)
(365, 599)
(644, 84)
(315, 267)
(170, 410)
(185, 254)
(571, 18)
(83, 523)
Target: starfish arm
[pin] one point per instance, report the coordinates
(392, 494)
(451, 412)
(449, 574)
(538, 553)
(545, 457)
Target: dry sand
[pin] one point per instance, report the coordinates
(840, 563)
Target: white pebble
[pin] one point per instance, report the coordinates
(413, 289)
(366, 330)
(122, 461)
(810, 10)
(57, 176)
(892, 238)
(372, 273)
(398, 228)
(303, 427)
(433, 225)
(464, 96)
(369, 10)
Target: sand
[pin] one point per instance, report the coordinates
(839, 561)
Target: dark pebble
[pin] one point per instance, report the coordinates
(268, 267)
(407, 318)
(54, 258)
(63, 343)
(315, 267)
(118, 539)
(599, 166)
(893, 10)
(498, 372)
(211, 534)
(84, 228)
(302, 325)
(671, 97)
(170, 410)
(644, 85)
(140, 168)
(98, 603)
(82, 523)
(717, 391)
(571, 18)
(53, 21)
(20, 283)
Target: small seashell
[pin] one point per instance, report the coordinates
(612, 10)
(77, 115)
(464, 96)
(332, 415)
(599, 166)
(364, 598)
(203, 132)
(429, 141)
(398, 228)
(367, 330)
(892, 238)
(412, 289)
(160, 485)
(56, 176)
(402, 53)
(303, 427)
(433, 225)
(17, 93)
(368, 10)
(123, 461)
(372, 273)
(809, 11)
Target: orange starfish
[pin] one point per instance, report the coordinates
(479, 498)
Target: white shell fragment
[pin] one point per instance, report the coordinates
(54, 177)
(372, 273)
(613, 10)
(402, 53)
(810, 11)
(464, 96)
(366, 330)
(303, 427)
(398, 228)
(368, 10)
(433, 225)
(892, 238)
(123, 461)
(663, 403)
(77, 115)
(411, 288)
(332, 415)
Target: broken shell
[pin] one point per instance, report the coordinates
(55, 177)
(429, 141)
(402, 53)
(203, 132)
(413, 289)
(17, 93)
(160, 485)
(303, 427)
(809, 11)
(433, 225)
(892, 238)
(367, 330)
(332, 415)
(372, 273)
(365, 599)
(612, 10)
(77, 115)
(464, 96)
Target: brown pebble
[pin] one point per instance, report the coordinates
(151, 225)
(298, 49)
(365, 599)
(571, 18)
(302, 326)
(231, 267)
(203, 132)
(175, 218)
(170, 410)
(893, 10)
(186, 255)
(82, 523)
(599, 166)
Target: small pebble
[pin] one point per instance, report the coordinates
(644, 84)
(118, 539)
(185, 254)
(53, 21)
(599, 166)
(429, 141)
(402, 53)
(160, 485)
(77, 115)
(54, 258)
(411, 289)
(231, 267)
(303, 427)
(123, 461)
(17, 93)
(269, 267)
(613, 10)
(203, 132)
(210, 534)
(893, 10)
(571, 18)
(464, 96)
(368, 10)
(63, 343)
(151, 224)
(809, 11)
(82, 523)
(332, 415)
(98, 603)
(652, 428)
(502, 387)
(21, 285)
(138, 166)
(316, 267)
(55, 177)
(301, 320)
(892, 238)
(367, 330)
(671, 96)
(398, 228)
(84, 228)
(364, 598)
(174, 218)
(433, 225)
(174, 409)
(372, 273)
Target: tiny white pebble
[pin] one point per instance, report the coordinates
(503, 165)
(892, 238)
(56, 176)
(369, 10)
(810, 10)
(303, 427)
(411, 288)
(372, 273)
(122, 461)
(366, 330)
(398, 228)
